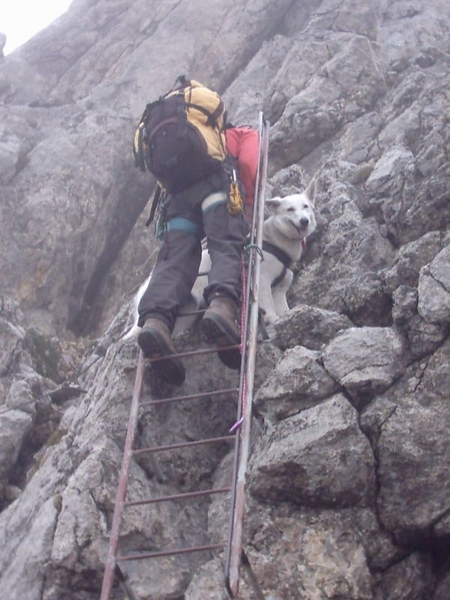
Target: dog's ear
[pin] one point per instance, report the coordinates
(310, 191)
(273, 202)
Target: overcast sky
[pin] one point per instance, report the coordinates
(21, 19)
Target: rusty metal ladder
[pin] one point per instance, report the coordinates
(239, 433)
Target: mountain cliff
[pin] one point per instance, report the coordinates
(349, 476)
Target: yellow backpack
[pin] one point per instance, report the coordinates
(180, 137)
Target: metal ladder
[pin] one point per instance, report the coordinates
(235, 557)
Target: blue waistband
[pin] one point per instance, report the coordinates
(183, 224)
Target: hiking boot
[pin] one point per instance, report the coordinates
(155, 342)
(219, 326)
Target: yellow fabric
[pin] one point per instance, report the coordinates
(196, 93)
(236, 204)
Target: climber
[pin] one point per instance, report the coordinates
(188, 213)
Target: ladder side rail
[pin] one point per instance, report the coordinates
(108, 578)
(234, 550)
(257, 217)
(257, 222)
(242, 381)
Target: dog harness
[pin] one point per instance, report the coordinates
(281, 255)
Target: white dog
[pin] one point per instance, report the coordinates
(284, 234)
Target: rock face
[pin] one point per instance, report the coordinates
(348, 483)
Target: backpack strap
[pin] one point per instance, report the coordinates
(281, 256)
(140, 136)
(156, 199)
(211, 116)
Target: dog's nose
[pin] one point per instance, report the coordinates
(304, 222)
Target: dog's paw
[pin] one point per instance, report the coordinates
(270, 318)
(271, 331)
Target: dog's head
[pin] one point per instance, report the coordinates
(294, 214)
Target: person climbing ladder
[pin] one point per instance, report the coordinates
(194, 207)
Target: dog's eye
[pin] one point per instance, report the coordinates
(291, 209)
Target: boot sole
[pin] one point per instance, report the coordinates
(215, 331)
(170, 370)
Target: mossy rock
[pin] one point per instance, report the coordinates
(45, 353)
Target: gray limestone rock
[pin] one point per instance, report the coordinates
(14, 426)
(365, 360)
(434, 289)
(309, 326)
(406, 427)
(313, 563)
(442, 589)
(298, 381)
(413, 465)
(411, 577)
(317, 458)
(412, 257)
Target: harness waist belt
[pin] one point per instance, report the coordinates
(213, 200)
(182, 224)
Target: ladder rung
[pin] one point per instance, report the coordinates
(189, 313)
(225, 438)
(173, 552)
(190, 397)
(178, 496)
(194, 352)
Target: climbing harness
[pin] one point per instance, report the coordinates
(281, 255)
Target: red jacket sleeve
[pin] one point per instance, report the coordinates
(243, 144)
